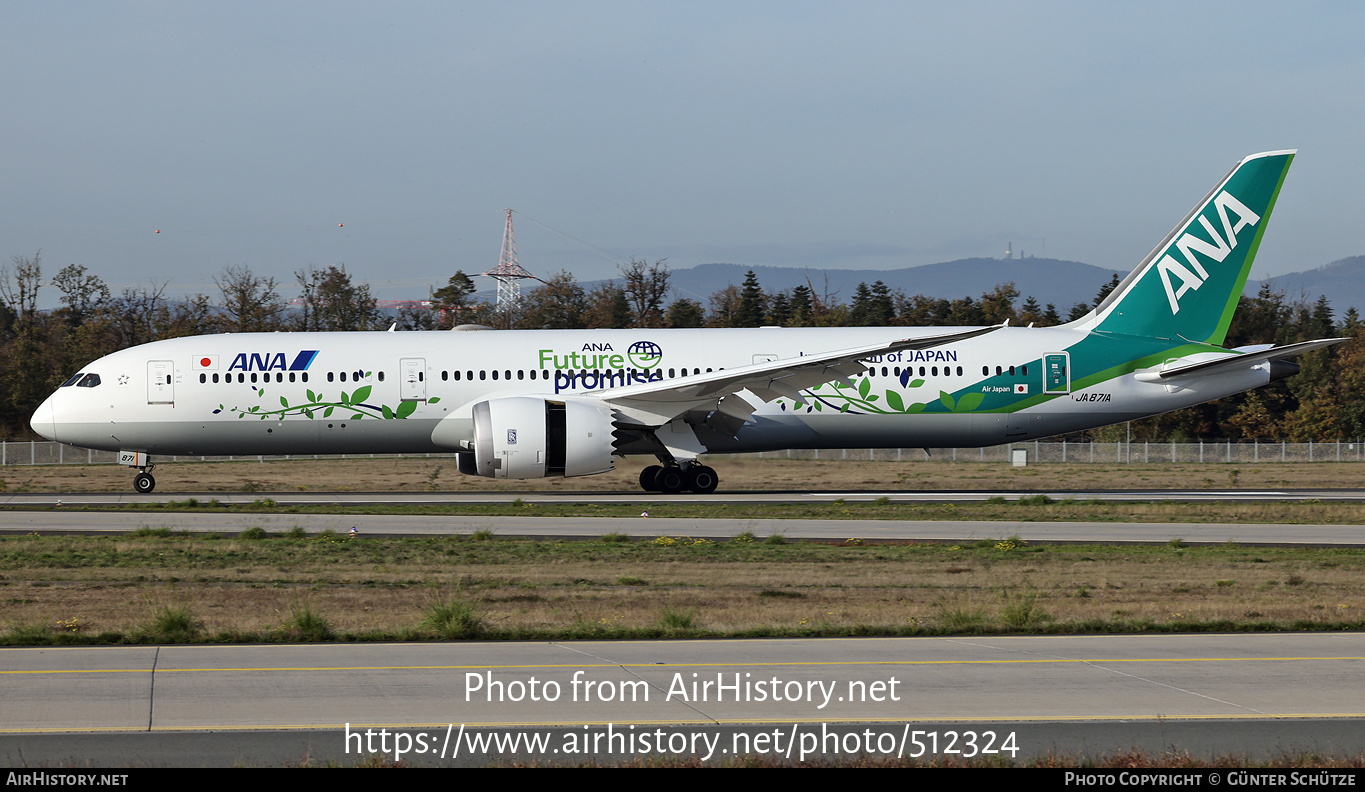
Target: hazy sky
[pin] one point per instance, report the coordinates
(822, 135)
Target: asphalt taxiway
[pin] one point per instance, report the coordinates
(44, 500)
(1076, 695)
(658, 523)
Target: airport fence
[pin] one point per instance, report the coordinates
(36, 452)
(1135, 452)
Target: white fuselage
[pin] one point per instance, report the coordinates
(334, 393)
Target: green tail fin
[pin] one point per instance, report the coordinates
(1188, 286)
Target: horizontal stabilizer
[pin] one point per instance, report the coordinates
(1204, 368)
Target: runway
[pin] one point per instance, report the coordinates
(44, 500)
(658, 523)
(1075, 694)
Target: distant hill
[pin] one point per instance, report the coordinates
(1062, 283)
(1342, 281)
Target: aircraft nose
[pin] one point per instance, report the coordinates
(44, 420)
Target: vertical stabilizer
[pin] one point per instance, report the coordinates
(1188, 286)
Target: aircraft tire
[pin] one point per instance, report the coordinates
(670, 481)
(647, 477)
(144, 483)
(702, 479)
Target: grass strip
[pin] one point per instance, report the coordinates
(163, 586)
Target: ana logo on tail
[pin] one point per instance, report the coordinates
(1188, 244)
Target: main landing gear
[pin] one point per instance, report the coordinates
(674, 478)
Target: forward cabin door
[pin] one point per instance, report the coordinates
(160, 382)
(412, 380)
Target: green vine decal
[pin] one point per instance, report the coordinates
(968, 402)
(353, 402)
(860, 399)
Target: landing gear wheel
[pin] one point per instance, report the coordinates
(702, 479)
(647, 477)
(144, 483)
(670, 481)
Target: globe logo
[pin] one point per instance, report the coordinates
(645, 354)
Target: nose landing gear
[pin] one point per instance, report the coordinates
(143, 482)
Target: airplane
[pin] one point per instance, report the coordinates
(528, 404)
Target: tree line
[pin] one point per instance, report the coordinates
(42, 348)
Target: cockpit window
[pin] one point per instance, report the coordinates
(72, 381)
(89, 381)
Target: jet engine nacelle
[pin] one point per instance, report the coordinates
(522, 437)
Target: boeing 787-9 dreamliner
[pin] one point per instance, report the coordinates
(535, 403)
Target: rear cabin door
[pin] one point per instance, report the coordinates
(1057, 373)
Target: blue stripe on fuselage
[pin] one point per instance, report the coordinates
(304, 360)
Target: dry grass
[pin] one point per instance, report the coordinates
(376, 585)
(521, 588)
(738, 472)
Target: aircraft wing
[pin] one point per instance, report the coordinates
(657, 403)
(1246, 360)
